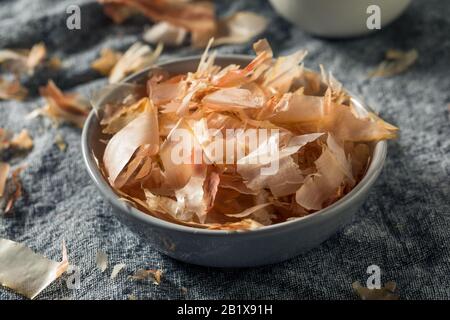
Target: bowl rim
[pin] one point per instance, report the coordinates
(374, 169)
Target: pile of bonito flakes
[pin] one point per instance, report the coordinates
(275, 141)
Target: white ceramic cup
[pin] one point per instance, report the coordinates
(337, 18)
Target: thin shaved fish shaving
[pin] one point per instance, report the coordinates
(139, 56)
(62, 107)
(195, 16)
(298, 107)
(239, 28)
(387, 292)
(60, 142)
(284, 71)
(5, 136)
(110, 100)
(101, 260)
(4, 172)
(141, 131)
(27, 272)
(166, 33)
(12, 90)
(18, 141)
(229, 98)
(236, 147)
(248, 211)
(176, 18)
(118, 13)
(22, 140)
(284, 181)
(23, 61)
(116, 270)
(148, 274)
(106, 62)
(13, 196)
(119, 120)
(193, 196)
(396, 62)
(333, 170)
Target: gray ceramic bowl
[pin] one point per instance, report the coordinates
(214, 248)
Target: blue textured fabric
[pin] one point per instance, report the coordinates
(404, 226)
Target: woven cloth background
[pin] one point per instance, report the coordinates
(404, 227)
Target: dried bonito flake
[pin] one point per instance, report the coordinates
(4, 172)
(55, 63)
(13, 196)
(240, 27)
(333, 170)
(27, 272)
(60, 142)
(166, 33)
(384, 293)
(62, 107)
(23, 61)
(176, 18)
(22, 140)
(396, 62)
(148, 274)
(10, 193)
(238, 147)
(106, 62)
(19, 141)
(4, 138)
(195, 16)
(118, 13)
(12, 90)
(101, 261)
(116, 270)
(139, 56)
(142, 131)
